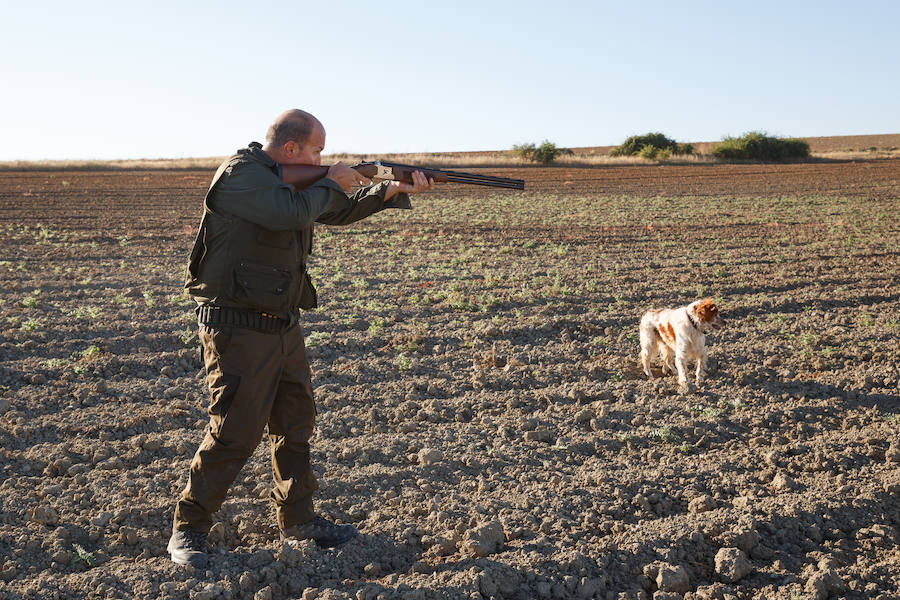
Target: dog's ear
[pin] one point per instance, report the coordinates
(706, 310)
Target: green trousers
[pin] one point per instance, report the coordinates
(255, 380)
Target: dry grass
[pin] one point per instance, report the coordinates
(112, 165)
(853, 147)
(859, 154)
(505, 158)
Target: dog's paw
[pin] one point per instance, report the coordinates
(686, 387)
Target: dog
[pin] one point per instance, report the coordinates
(678, 334)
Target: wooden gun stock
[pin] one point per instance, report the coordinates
(303, 176)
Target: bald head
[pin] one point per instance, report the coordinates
(292, 125)
(295, 138)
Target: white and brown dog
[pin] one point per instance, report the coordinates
(678, 335)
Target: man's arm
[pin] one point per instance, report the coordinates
(256, 195)
(364, 202)
(372, 199)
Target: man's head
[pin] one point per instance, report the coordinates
(295, 138)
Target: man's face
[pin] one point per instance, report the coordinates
(310, 153)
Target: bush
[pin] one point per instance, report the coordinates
(637, 145)
(524, 151)
(756, 145)
(648, 151)
(546, 153)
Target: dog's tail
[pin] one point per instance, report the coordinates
(650, 340)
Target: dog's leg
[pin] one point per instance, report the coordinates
(701, 367)
(668, 359)
(645, 362)
(649, 341)
(682, 364)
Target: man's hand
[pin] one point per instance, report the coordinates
(420, 184)
(346, 177)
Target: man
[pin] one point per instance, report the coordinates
(248, 275)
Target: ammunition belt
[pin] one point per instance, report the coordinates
(217, 316)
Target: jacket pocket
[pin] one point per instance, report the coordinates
(262, 287)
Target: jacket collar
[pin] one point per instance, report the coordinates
(254, 151)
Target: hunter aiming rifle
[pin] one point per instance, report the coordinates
(303, 176)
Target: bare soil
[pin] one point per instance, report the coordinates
(483, 420)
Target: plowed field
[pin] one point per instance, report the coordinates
(482, 417)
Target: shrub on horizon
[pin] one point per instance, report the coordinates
(756, 145)
(545, 154)
(650, 145)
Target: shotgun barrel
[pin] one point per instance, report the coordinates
(303, 176)
(405, 174)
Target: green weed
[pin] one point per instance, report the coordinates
(187, 335)
(90, 312)
(86, 354)
(55, 363)
(403, 362)
(31, 325)
(664, 434)
(317, 338)
(808, 339)
(686, 447)
(84, 556)
(376, 325)
(182, 299)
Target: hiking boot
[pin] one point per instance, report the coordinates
(322, 531)
(188, 548)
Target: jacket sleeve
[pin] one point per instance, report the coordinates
(257, 195)
(364, 202)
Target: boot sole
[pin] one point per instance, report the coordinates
(187, 561)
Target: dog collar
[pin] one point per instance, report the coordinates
(691, 318)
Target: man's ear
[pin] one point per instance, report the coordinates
(290, 149)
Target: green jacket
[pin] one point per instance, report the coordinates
(257, 231)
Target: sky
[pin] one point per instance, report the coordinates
(166, 79)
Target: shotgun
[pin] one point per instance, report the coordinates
(303, 176)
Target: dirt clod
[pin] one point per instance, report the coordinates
(823, 585)
(702, 503)
(732, 564)
(673, 578)
(430, 456)
(46, 515)
(484, 540)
